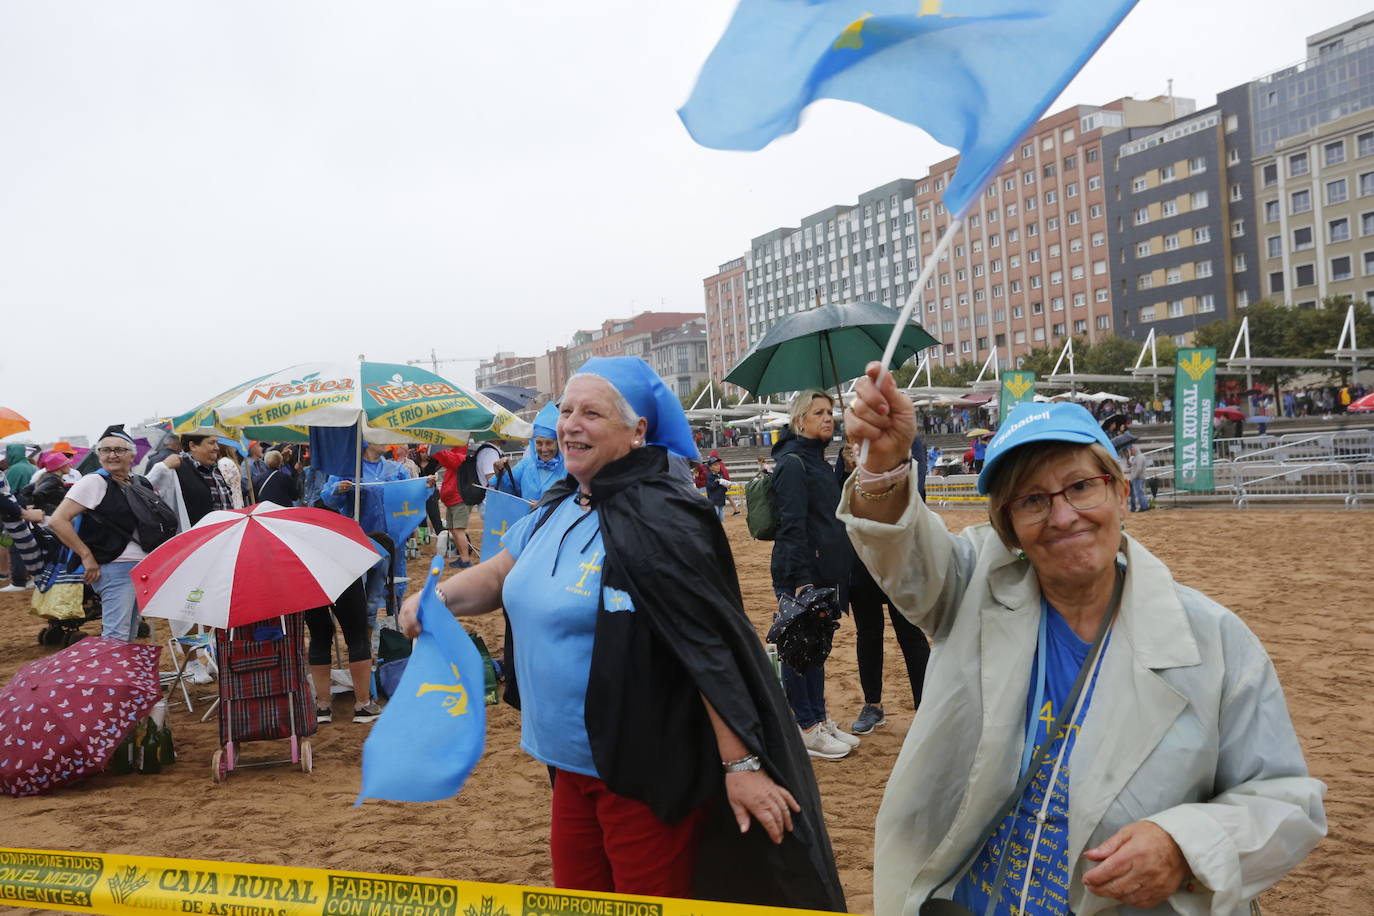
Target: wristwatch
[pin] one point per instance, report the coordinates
(748, 764)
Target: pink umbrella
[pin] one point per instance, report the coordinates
(241, 566)
(62, 717)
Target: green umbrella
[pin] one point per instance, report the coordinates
(823, 347)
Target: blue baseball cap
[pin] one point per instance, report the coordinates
(1029, 422)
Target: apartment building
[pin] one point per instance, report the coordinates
(727, 323)
(850, 253)
(1180, 207)
(506, 369)
(1031, 263)
(1313, 168)
(610, 338)
(679, 356)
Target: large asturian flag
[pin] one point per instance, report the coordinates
(974, 74)
(431, 734)
(500, 511)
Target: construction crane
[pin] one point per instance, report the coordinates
(434, 361)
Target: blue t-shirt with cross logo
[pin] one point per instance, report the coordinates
(551, 596)
(1064, 654)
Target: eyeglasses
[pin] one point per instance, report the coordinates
(1085, 494)
(113, 450)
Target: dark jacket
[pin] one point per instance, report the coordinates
(811, 546)
(48, 493)
(195, 492)
(689, 638)
(276, 486)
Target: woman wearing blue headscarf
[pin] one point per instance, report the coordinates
(678, 771)
(542, 465)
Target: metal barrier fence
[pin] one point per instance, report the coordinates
(1300, 448)
(1245, 482)
(956, 490)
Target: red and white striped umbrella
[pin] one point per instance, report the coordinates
(241, 566)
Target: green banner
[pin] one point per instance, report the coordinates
(1195, 385)
(1017, 386)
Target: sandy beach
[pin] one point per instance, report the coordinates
(1291, 575)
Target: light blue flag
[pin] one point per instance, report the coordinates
(403, 502)
(974, 74)
(431, 734)
(500, 512)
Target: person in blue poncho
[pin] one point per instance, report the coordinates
(542, 465)
(677, 768)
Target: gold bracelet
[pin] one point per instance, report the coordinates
(875, 497)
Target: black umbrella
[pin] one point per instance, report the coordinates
(511, 397)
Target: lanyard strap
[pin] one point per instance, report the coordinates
(1040, 666)
(1041, 751)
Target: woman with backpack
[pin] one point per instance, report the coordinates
(810, 549)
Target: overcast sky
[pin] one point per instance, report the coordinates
(193, 194)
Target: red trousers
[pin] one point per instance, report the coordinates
(601, 841)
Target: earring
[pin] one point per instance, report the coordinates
(1020, 554)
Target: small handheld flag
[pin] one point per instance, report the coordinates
(431, 734)
(404, 505)
(500, 511)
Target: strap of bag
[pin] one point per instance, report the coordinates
(1041, 751)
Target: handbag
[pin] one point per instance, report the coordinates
(933, 907)
(59, 594)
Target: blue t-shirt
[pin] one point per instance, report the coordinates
(1049, 889)
(551, 596)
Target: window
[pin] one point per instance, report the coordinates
(1237, 193)
(1304, 275)
(1099, 239)
(1056, 277)
(1176, 308)
(1168, 208)
(1173, 275)
(1139, 183)
(1048, 171)
(1033, 256)
(1336, 191)
(1237, 228)
(1019, 337)
(1052, 224)
(1080, 326)
(1011, 210)
(1271, 211)
(1095, 211)
(1142, 216)
(1297, 165)
(1338, 230)
(1080, 300)
(1070, 163)
(1206, 303)
(1238, 262)
(1142, 249)
(1276, 282)
(1050, 196)
(1364, 144)
(1197, 164)
(1302, 238)
(1233, 156)
(1202, 269)
(1037, 308)
(1091, 154)
(1035, 281)
(1075, 245)
(1147, 314)
(1009, 184)
(1071, 189)
(1368, 261)
(1333, 153)
(1030, 204)
(1199, 198)
(1367, 224)
(1018, 311)
(1341, 269)
(1094, 182)
(999, 315)
(1202, 234)
(1270, 175)
(1101, 295)
(1016, 286)
(1076, 272)
(1144, 281)
(1166, 173)
(1027, 151)
(1073, 218)
(1171, 242)
(1014, 261)
(1037, 333)
(1366, 180)
(1099, 267)
(1028, 178)
(1273, 246)
(1059, 330)
(1104, 322)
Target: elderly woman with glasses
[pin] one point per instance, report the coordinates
(1094, 737)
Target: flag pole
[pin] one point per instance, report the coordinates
(911, 301)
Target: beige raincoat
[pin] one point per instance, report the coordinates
(1188, 727)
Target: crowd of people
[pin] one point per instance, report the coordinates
(1089, 737)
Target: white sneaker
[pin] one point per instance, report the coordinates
(819, 743)
(12, 588)
(839, 734)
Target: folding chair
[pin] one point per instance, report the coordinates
(183, 648)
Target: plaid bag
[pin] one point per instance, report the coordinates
(263, 683)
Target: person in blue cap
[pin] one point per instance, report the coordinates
(542, 465)
(644, 687)
(1094, 737)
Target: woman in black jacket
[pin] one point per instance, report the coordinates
(810, 548)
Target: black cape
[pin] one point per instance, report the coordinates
(689, 637)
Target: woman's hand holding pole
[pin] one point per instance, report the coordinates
(883, 419)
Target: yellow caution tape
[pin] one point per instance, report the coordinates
(79, 882)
